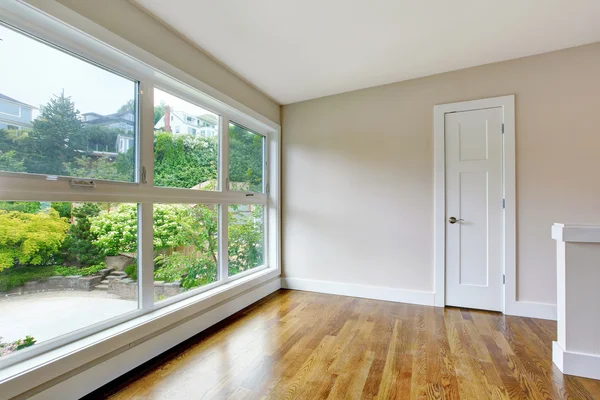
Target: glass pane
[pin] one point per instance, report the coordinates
(186, 144)
(186, 248)
(60, 115)
(245, 159)
(63, 267)
(246, 237)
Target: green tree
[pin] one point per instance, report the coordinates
(159, 111)
(13, 143)
(79, 246)
(184, 161)
(96, 138)
(63, 208)
(29, 207)
(51, 144)
(129, 106)
(246, 239)
(11, 162)
(33, 239)
(245, 158)
(199, 226)
(99, 168)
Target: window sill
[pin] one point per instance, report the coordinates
(76, 356)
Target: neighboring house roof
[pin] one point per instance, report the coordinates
(10, 99)
(211, 119)
(93, 113)
(108, 119)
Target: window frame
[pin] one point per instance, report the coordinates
(19, 112)
(108, 51)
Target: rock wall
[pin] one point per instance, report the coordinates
(127, 289)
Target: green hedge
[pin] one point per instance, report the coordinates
(17, 276)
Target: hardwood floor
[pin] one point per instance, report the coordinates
(305, 345)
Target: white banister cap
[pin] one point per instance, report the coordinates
(576, 233)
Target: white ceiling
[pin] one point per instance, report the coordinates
(296, 50)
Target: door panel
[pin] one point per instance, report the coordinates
(474, 264)
(473, 242)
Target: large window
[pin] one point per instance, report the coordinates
(122, 190)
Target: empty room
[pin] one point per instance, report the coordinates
(334, 199)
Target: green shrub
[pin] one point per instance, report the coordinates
(17, 276)
(116, 231)
(246, 237)
(79, 248)
(30, 207)
(132, 271)
(33, 239)
(192, 271)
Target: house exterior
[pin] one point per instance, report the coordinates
(123, 120)
(124, 143)
(180, 122)
(15, 114)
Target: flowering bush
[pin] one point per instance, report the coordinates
(116, 230)
(33, 239)
(10, 347)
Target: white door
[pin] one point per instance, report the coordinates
(474, 209)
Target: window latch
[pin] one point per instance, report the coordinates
(83, 183)
(249, 194)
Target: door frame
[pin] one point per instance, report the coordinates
(507, 103)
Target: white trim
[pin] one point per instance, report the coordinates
(578, 364)
(354, 290)
(31, 373)
(532, 309)
(508, 106)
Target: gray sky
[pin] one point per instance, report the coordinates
(33, 72)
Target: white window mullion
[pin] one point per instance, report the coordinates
(146, 135)
(146, 210)
(224, 154)
(223, 241)
(145, 255)
(273, 212)
(224, 207)
(266, 189)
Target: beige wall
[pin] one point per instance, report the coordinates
(129, 22)
(358, 171)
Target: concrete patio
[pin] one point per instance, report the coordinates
(48, 315)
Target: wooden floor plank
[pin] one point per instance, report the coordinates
(301, 345)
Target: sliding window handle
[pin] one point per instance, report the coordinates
(453, 220)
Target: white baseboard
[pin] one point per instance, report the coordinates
(353, 290)
(532, 310)
(100, 374)
(578, 364)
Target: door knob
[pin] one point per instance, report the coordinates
(453, 220)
